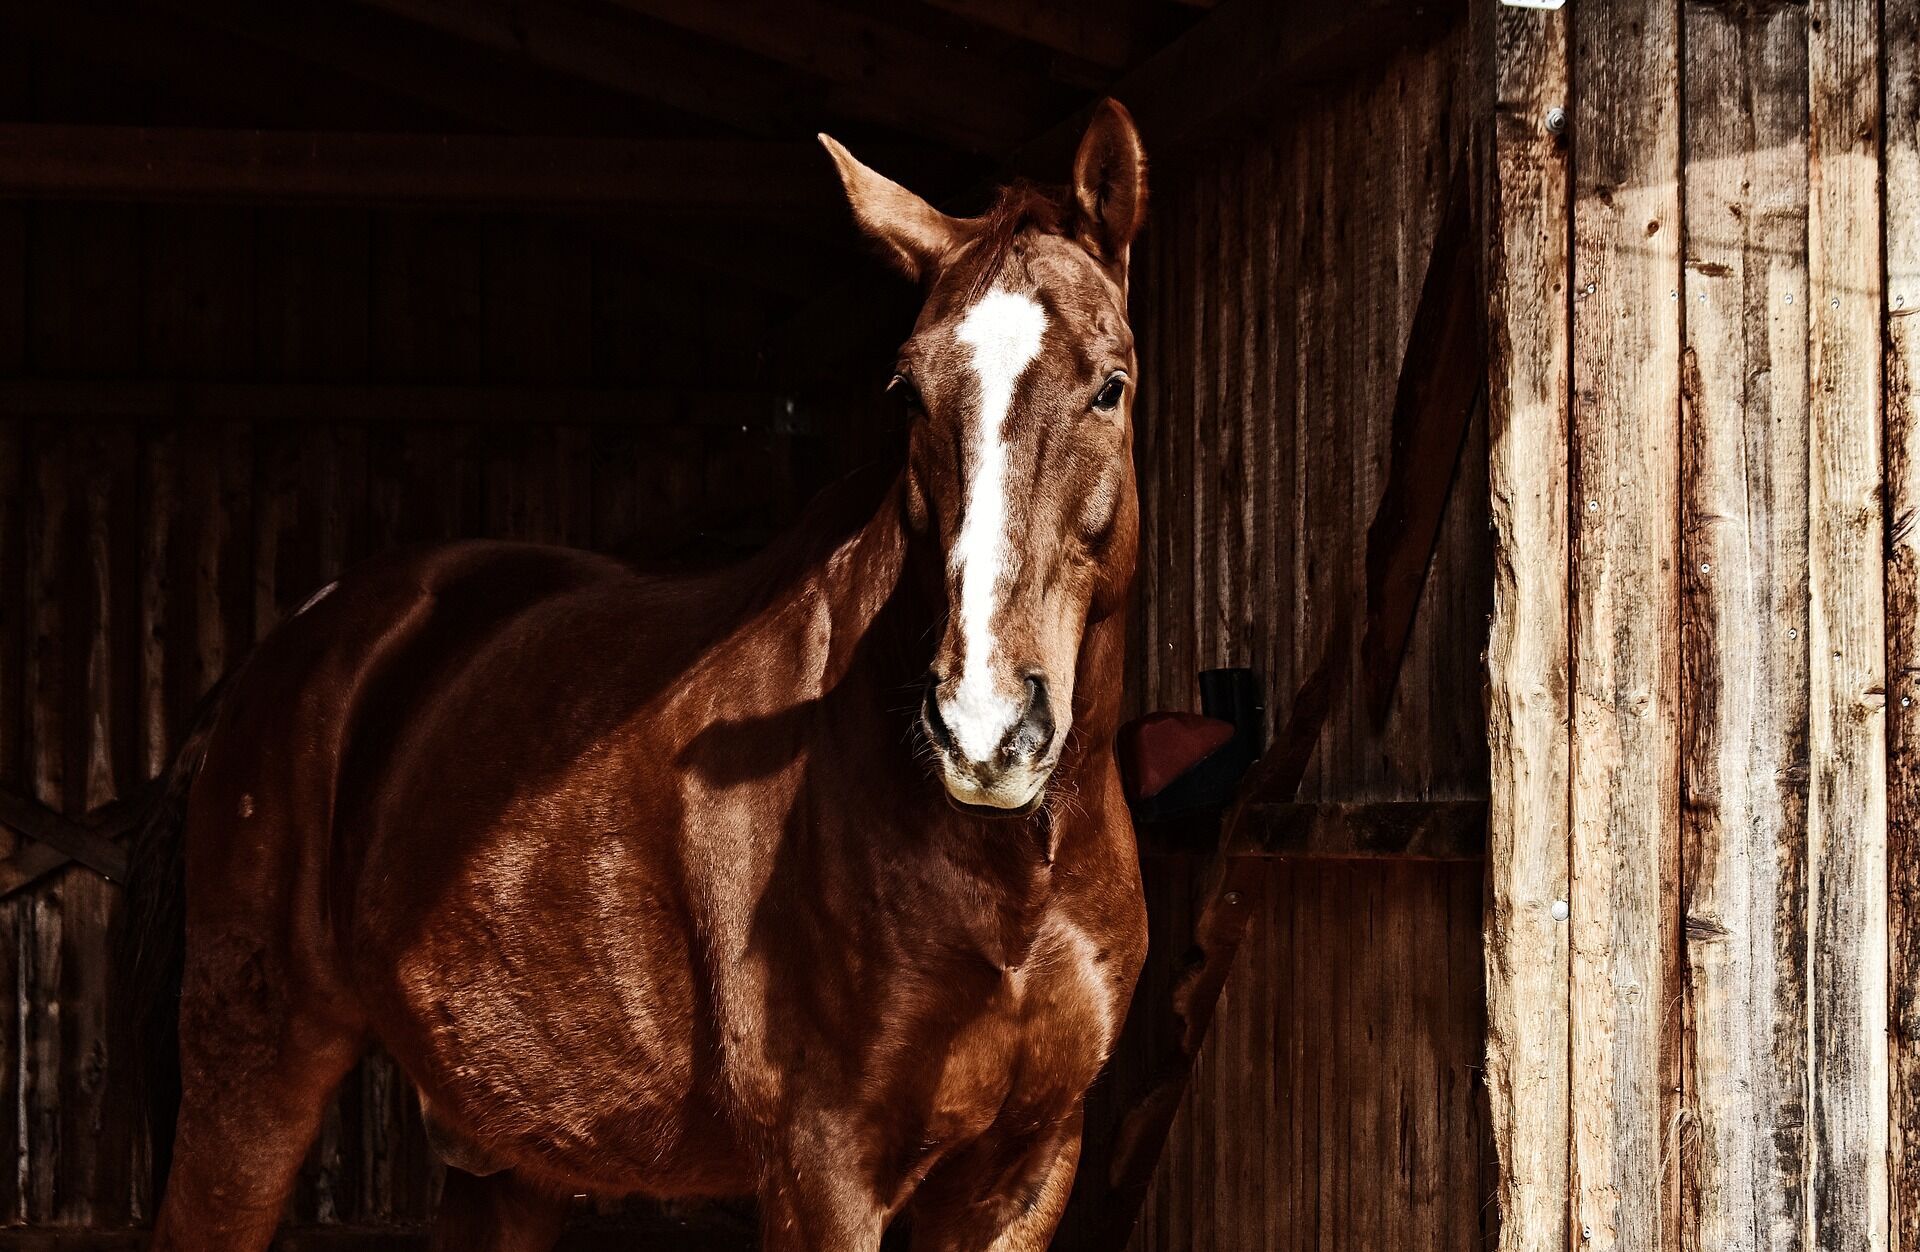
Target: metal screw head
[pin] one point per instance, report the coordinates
(1793, 633)
(1556, 120)
(1559, 910)
(1836, 302)
(1906, 702)
(1789, 297)
(1706, 567)
(1233, 898)
(1586, 1232)
(1593, 506)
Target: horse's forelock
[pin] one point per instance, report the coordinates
(1020, 208)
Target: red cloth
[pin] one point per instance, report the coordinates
(1158, 748)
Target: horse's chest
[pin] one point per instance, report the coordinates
(1042, 1040)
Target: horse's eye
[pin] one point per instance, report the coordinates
(1110, 393)
(901, 388)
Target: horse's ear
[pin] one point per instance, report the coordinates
(1110, 182)
(913, 234)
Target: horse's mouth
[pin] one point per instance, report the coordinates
(1028, 809)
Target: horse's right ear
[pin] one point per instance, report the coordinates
(914, 235)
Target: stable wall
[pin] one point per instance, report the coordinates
(1702, 948)
(1336, 1102)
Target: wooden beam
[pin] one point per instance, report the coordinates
(1094, 30)
(1528, 238)
(93, 847)
(881, 71)
(1441, 376)
(1847, 1111)
(475, 171)
(1406, 830)
(397, 58)
(200, 64)
(1743, 622)
(1901, 308)
(597, 44)
(310, 402)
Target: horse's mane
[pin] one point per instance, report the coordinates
(1018, 207)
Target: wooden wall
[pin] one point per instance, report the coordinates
(207, 413)
(1704, 489)
(1336, 1102)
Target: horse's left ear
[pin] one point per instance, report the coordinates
(1110, 182)
(915, 236)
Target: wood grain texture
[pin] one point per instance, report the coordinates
(1527, 957)
(1334, 1104)
(1275, 300)
(1625, 1016)
(1847, 801)
(1744, 1160)
(1902, 302)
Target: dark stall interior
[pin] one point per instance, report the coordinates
(283, 286)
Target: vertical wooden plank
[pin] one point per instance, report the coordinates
(1743, 627)
(1527, 659)
(310, 513)
(83, 290)
(13, 288)
(1847, 803)
(428, 297)
(311, 305)
(199, 292)
(1902, 158)
(537, 324)
(1626, 456)
(196, 573)
(83, 726)
(14, 912)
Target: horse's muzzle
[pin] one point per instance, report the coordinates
(1011, 776)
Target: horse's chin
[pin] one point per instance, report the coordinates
(981, 802)
(1030, 807)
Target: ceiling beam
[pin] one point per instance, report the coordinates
(1100, 31)
(205, 66)
(880, 70)
(601, 47)
(746, 177)
(477, 85)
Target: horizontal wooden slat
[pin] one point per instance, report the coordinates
(303, 402)
(1414, 830)
(762, 178)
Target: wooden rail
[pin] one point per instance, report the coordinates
(762, 178)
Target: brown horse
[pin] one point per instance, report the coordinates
(648, 884)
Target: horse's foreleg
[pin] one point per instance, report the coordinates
(498, 1213)
(817, 1198)
(256, 1075)
(1017, 1212)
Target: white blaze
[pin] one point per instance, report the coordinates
(1003, 331)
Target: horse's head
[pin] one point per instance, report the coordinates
(1019, 374)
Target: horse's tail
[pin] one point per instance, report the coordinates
(152, 944)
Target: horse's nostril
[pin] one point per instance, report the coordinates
(930, 715)
(1033, 734)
